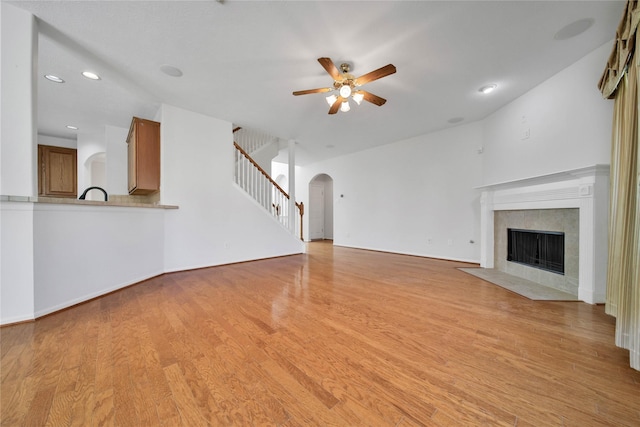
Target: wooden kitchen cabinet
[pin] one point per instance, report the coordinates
(57, 171)
(144, 156)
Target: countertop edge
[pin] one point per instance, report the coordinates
(76, 202)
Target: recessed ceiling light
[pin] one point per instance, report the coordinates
(170, 70)
(487, 89)
(53, 78)
(91, 75)
(456, 120)
(72, 127)
(574, 29)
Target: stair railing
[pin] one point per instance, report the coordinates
(259, 185)
(251, 140)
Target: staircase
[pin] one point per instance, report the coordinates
(256, 182)
(252, 141)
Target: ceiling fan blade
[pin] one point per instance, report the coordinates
(376, 74)
(374, 99)
(336, 105)
(328, 65)
(308, 91)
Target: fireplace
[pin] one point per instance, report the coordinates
(564, 220)
(537, 249)
(573, 202)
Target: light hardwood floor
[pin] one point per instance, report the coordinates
(337, 336)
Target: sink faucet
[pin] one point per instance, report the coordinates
(84, 195)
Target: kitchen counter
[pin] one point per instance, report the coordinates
(69, 201)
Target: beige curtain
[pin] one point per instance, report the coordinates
(620, 81)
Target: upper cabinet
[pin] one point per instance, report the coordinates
(57, 171)
(144, 156)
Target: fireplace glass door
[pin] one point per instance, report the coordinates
(539, 249)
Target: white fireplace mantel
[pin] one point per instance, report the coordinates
(586, 189)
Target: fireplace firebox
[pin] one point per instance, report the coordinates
(538, 249)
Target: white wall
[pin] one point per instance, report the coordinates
(88, 146)
(85, 251)
(16, 257)
(217, 223)
(116, 160)
(280, 172)
(421, 202)
(96, 166)
(569, 122)
(18, 49)
(57, 142)
(265, 154)
(18, 93)
(328, 208)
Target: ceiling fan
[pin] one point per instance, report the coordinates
(347, 86)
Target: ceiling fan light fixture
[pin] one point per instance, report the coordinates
(345, 91)
(331, 99)
(346, 85)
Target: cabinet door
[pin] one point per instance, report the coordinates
(57, 171)
(132, 157)
(144, 156)
(148, 156)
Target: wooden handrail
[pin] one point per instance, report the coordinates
(266, 175)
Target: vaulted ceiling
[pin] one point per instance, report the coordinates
(241, 61)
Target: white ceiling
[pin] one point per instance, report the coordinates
(241, 60)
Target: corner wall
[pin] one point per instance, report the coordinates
(217, 223)
(414, 196)
(568, 121)
(83, 251)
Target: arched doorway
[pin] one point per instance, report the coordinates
(321, 208)
(95, 175)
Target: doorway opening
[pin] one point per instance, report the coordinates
(321, 208)
(95, 174)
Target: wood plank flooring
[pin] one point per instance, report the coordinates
(336, 336)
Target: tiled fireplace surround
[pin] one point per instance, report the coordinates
(574, 201)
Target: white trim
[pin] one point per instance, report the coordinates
(96, 294)
(421, 255)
